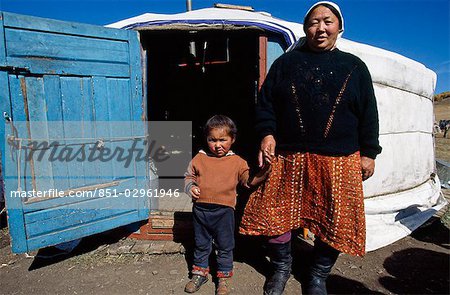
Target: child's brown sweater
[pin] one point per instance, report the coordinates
(217, 178)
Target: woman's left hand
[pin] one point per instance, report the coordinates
(367, 167)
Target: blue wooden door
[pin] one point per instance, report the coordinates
(68, 91)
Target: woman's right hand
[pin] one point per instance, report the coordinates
(267, 150)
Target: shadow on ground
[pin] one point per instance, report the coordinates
(417, 270)
(51, 255)
(340, 285)
(433, 231)
(252, 252)
(3, 220)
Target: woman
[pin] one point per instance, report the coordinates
(318, 110)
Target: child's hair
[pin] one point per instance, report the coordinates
(220, 121)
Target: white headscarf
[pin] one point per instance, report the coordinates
(302, 40)
(335, 6)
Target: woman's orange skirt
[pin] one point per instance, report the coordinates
(321, 193)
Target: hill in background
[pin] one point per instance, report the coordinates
(442, 112)
(441, 96)
(442, 106)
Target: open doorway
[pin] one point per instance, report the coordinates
(192, 75)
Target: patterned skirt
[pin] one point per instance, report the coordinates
(321, 193)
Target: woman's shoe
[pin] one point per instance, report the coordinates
(324, 259)
(281, 259)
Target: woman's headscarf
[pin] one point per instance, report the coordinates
(333, 7)
(327, 4)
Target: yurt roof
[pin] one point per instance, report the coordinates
(387, 68)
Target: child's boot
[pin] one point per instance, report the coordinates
(195, 283)
(223, 286)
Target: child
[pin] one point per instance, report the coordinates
(211, 181)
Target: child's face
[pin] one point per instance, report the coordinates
(219, 141)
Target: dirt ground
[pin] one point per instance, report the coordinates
(442, 109)
(417, 264)
(442, 148)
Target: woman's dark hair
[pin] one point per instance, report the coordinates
(220, 121)
(330, 7)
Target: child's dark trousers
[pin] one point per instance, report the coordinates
(213, 223)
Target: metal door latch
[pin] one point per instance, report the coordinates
(15, 70)
(6, 117)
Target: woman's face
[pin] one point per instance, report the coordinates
(322, 29)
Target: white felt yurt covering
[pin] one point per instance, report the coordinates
(404, 191)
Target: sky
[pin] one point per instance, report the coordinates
(417, 29)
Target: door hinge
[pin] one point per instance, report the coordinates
(15, 70)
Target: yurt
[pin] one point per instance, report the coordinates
(404, 191)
